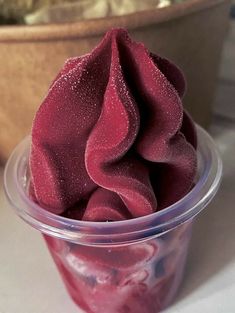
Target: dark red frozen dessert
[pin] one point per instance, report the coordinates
(138, 278)
(111, 140)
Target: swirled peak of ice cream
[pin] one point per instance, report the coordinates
(111, 140)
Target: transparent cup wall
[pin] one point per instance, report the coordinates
(141, 278)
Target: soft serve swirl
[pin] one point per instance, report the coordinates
(111, 140)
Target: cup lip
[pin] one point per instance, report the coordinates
(119, 231)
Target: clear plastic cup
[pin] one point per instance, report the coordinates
(132, 266)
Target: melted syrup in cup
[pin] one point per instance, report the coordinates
(130, 266)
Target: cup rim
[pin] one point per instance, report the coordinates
(118, 232)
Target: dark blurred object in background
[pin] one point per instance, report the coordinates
(225, 94)
(232, 12)
(12, 12)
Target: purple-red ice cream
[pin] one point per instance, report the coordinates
(111, 140)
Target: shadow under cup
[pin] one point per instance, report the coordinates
(132, 266)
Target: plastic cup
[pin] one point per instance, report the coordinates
(132, 266)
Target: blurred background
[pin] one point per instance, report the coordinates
(36, 36)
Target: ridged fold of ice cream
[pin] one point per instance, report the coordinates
(111, 140)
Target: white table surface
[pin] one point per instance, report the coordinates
(29, 282)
